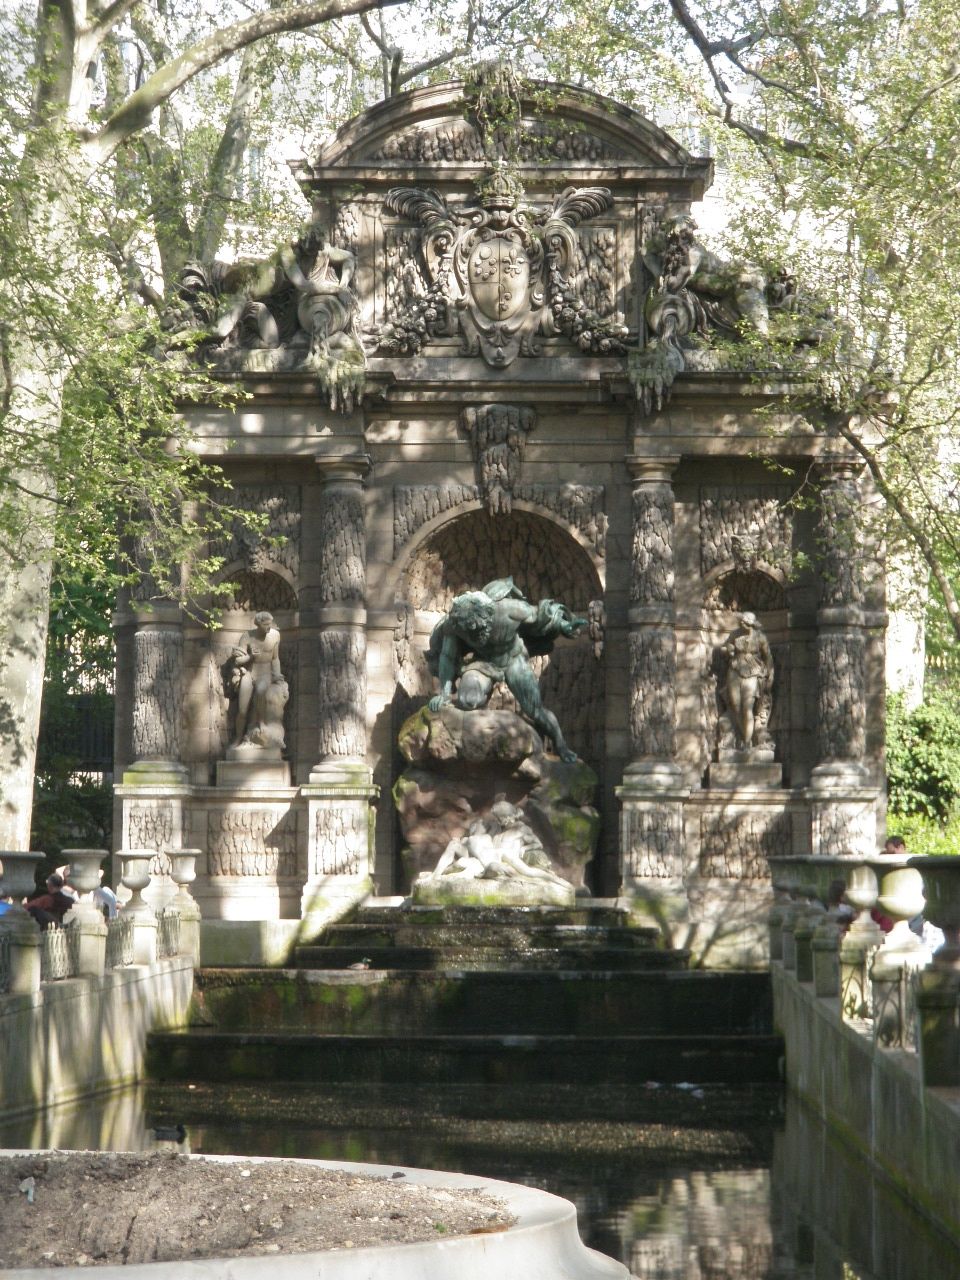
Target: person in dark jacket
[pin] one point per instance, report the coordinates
(50, 907)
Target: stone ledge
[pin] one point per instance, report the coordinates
(542, 1245)
(873, 1098)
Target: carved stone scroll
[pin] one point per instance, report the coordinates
(498, 435)
(652, 840)
(342, 841)
(258, 842)
(737, 846)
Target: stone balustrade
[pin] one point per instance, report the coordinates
(86, 945)
(887, 986)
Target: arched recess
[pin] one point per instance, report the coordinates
(727, 592)
(211, 702)
(545, 561)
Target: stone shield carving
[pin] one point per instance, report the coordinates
(499, 272)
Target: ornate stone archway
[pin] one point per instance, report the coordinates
(545, 561)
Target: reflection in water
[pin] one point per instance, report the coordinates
(810, 1211)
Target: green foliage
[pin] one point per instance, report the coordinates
(924, 836)
(73, 800)
(923, 757)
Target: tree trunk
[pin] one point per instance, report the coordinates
(25, 571)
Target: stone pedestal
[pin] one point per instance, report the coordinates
(251, 768)
(153, 818)
(461, 761)
(491, 893)
(26, 945)
(748, 773)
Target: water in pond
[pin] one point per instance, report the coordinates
(687, 1185)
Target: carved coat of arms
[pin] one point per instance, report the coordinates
(499, 273)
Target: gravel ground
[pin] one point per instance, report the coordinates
(89, 1208)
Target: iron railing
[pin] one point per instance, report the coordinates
(119, 951)
(59, 954)
(168, 933)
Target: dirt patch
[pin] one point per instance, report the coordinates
(88, 1208)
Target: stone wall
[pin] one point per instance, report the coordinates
(874, 1098)
(85, 1035)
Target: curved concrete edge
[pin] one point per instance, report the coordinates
(544, 1244)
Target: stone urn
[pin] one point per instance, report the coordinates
(84, 868)
(941, 887)
(136, 877)
(901, 898)
(183, 872)
(18, 873)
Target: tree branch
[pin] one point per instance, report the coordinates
(708, 50)
(227, 160)
(913, 526)
(166, 80)
(107, 19)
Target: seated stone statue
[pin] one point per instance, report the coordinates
(260, 687)
(299, 296)
(488, 636)
(729, 292)
(694, 289)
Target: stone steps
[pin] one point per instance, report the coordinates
(498, 1003)
(459, 996)
(509, 1060)
(555, 959)
(515, 937)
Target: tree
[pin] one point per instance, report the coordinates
(60, 143)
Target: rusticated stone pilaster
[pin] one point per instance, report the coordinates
(653, 646)
(841, 641)
(342, 642)
(157, 690)
(339, 792)
(653, 696)
(841, 695)
(342, 724)
(652, 795)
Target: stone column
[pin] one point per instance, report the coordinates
(154, 784)
(652, 793)
(843, 812)
(157, 695)
(340, 789)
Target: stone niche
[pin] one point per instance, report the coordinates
(503, 364)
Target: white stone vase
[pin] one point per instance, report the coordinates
(136, 877)
(18, 874)
(84, 868)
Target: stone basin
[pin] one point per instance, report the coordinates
(543, 1244)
